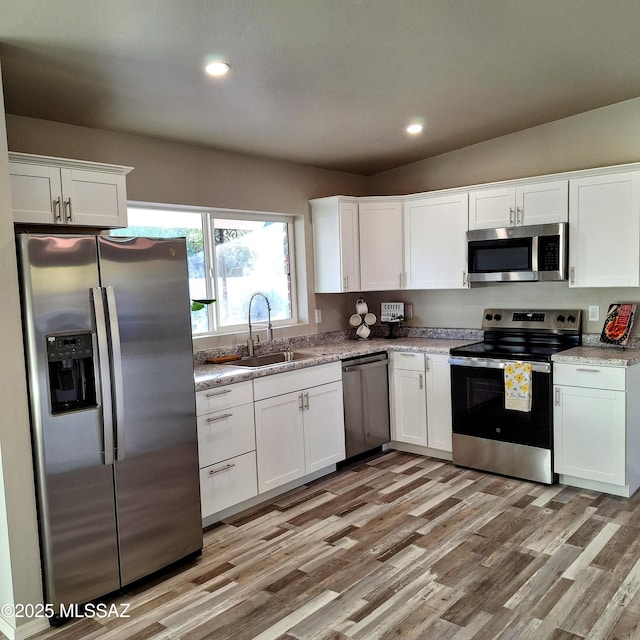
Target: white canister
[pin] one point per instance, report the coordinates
(361, 307)
(363, 331)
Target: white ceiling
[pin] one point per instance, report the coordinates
(329, 83)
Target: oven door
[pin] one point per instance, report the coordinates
(487, 436)
(478, 403)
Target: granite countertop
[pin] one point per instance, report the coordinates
(211, 375)
(607, 356)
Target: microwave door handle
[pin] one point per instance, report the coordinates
(534, 254)
(105, 377)
(116, 370)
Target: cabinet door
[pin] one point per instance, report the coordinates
(35, 193)
(438, 380)
(435, 243)
(604, 231)
(409, 407)
(492, 208)
(93, 198)
(380, 225)
(335, 243)
(349, 246)
(542, 203)
(589, 433)
(324, 436)
(279, 440)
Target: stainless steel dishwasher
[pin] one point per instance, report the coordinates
(365, 383)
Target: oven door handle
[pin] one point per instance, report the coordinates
(485, 363)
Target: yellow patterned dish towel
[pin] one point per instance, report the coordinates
(517, 386)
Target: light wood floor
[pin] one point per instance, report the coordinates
(402, 546)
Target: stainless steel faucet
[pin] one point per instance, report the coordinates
(269, 327)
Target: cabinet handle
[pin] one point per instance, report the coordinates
(511, 216)
(401, 279)
(217, 393)
(464, 278)
(421, 381)
(300, 403)
(69, 211)
(346, 283)
(224, 416)
(519, 216)
(426, 363)
(572, 275)
(221, 469)
(589, 370)
(306, 401)
(556, 392)
(57, 209)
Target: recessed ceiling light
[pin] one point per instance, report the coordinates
(217, 68)
(415, 128)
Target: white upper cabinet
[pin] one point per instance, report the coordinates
(56, 191)
(516, 205)
(336, 244)
(604, 231)
(380, 224)
(435, 246)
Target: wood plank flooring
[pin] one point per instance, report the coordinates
(401, 546)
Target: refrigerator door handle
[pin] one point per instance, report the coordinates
(105, 378)
(116, 370)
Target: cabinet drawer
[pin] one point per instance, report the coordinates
(224, 397)
(589, 375)
(228, 483)
(281, 383)
(407, 361)
(225, 434)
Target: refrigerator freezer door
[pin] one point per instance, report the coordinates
(75, 488)
(156, 469)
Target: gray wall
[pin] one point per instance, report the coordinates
(19, 556)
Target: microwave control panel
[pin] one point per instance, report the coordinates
(548, 253)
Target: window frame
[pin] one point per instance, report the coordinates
(208, 215)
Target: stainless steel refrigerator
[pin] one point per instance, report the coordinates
(110, 365)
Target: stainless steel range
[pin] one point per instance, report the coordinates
(501, 391)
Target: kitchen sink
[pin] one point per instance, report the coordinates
(268, 359)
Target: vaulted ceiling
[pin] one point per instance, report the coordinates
(329, 83)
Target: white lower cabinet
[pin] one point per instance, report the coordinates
(421, 401)
(226, 447)
(438, 402)
(299, 424)
(596, 432)
(408, 398)
(228, 483)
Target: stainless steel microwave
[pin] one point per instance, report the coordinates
(511, 254)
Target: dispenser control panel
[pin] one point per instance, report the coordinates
(64, 347)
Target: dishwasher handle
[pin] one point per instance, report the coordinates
(369, 365)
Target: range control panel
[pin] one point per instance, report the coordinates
(547, 319)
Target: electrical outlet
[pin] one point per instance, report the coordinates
(594, 312)
(318, 316)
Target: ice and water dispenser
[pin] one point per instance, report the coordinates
(72, 384)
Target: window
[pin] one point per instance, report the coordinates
(231, 255)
